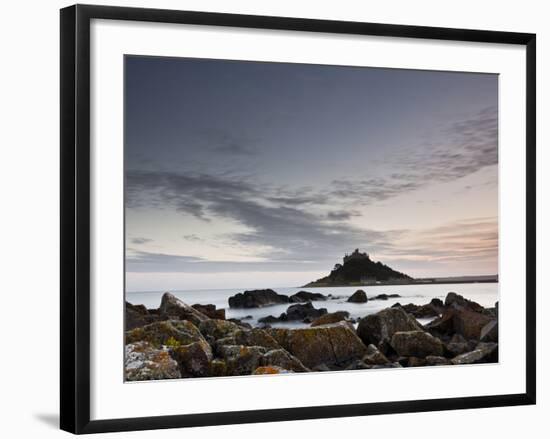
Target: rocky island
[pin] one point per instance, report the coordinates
(178, 340)
(358, 269)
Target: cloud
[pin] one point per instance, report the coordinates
(140, 240)
(464, 148)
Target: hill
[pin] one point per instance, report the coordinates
(359, 269)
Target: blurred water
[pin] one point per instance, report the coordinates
(486, 294)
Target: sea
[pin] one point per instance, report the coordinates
(486, 294)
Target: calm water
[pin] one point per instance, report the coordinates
(486, 294)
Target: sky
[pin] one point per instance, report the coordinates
(260, 175)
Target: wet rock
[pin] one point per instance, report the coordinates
(329, 318)
(303, 311)
(173, 308)
(282, 358)
(358, 297)
(484, 353)
(257, 299)
(306, 296)
(379, 328)
(416, 344)
(168, 332)
(218, 328)
(143, 362)
(269, 319)
(385, 296)
(241, 360)
(269, 370)
(489, 333)
(334, 344)
(210, 311)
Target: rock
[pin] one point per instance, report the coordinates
(358, 297)
(458, 300)
(420, 311)
(385, 296)
(210, 311)
(432, 360)
(193, 359)
(393, 365)
(269, 319)
(489, 332)
(484, 353)
(469, 323)
(329, 318)
(173, 308)
(142, 362)
(269, 370)
(457, 345)
(416, 344)
(306, 296)
(250, 337)
(217, 368)
(168, 332)
(218, 328)
(374, 356)
(241, 360)
(416, 362)
(257, 299)
(457, 319)
(137, 316)
(332, 345)
(303, 311)
(238, 322)
(379, 328)
(358, 365)
(282, 358)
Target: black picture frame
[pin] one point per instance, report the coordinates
(75, 217)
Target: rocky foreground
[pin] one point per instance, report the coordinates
(181, 341)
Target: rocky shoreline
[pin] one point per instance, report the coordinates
(178, 340)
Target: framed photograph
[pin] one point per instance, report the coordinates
(268, 219)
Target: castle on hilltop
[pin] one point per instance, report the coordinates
(356, 255)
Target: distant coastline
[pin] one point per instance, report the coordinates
(419, 281)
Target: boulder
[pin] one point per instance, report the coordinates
(193, 359)
(240, 323)
(210, 311)
(469, 323)
(359, 365)
(217, 368)
(432, 360)
(302, 312)
(416, 362)
(218, 328)
(173, 308)
(461, 302)
(483, 353)
(257, 299)
(142, 362)
(358, 297)
(379, 328)
(241, 360)
(269, 319)
(168, 332)
(489, 332)
(306, 296)
(416, 344)
(137, 316)
(250, 337)
(282, 358)
(269, 370)
(374, 356)
(457, 345)
(384, 296)
(332, 345)
(329, 318)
